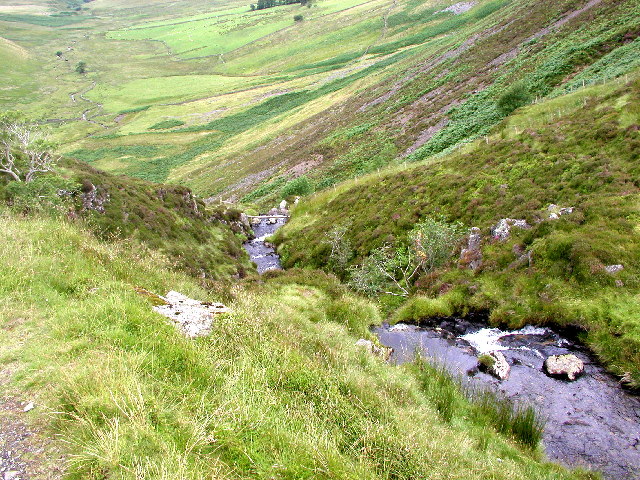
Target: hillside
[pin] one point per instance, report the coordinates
(444, 164)
(232, 102)
(578, 151)
(279, 389)
(203, 241)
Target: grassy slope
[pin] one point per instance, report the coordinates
(335, 96)
(203, 241)
(278, 390)
(580, 150)
(167, 218)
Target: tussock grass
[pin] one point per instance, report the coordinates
(278, 389)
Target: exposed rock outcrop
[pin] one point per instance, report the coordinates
(93, 198)
(193, 317)
(556, 212)
(612, 269)
(458, 8)
(471, 257)
(564, 366)
(502, 229)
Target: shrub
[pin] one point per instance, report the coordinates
(515, 97)
(49, 193)
(297, 186)
(393, 271)
(298, 18)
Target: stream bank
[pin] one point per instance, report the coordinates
(591, 422)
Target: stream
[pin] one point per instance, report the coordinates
(591, 422)
(262, 253)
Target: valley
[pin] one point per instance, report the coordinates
(431, 163)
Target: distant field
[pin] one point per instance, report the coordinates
(172, 89)
(223, 31)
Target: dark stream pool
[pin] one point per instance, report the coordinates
(591, 422)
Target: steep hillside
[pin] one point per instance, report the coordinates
(578, 152)
(278, 390)
(236, 103)
(203, 241)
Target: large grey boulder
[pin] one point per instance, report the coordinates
(564, 366)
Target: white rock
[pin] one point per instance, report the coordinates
(193, 317)
(503, 228)
(283, 205)
(614, 268)
(555, 211)
(499, 368)
(568, 366)
(372, 348)
(28, 407)
(11, 475)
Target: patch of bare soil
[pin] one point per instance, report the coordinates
(27, 452)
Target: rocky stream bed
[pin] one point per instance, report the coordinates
(590, 422)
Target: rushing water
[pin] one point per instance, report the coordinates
(261, 252)
(591, 422)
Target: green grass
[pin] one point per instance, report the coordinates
(305, 82)
(57, 20)
(579, 151)
(278, 389)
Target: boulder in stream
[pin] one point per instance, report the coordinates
(494, 363)
(564, 366)
(373, 349)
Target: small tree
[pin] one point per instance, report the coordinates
(393, 271)
(341, 251)
(514, 97)
(297, 186)
(81, 67)
(59, 53)
(433, 241)
(25, 149)
(385, 270)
